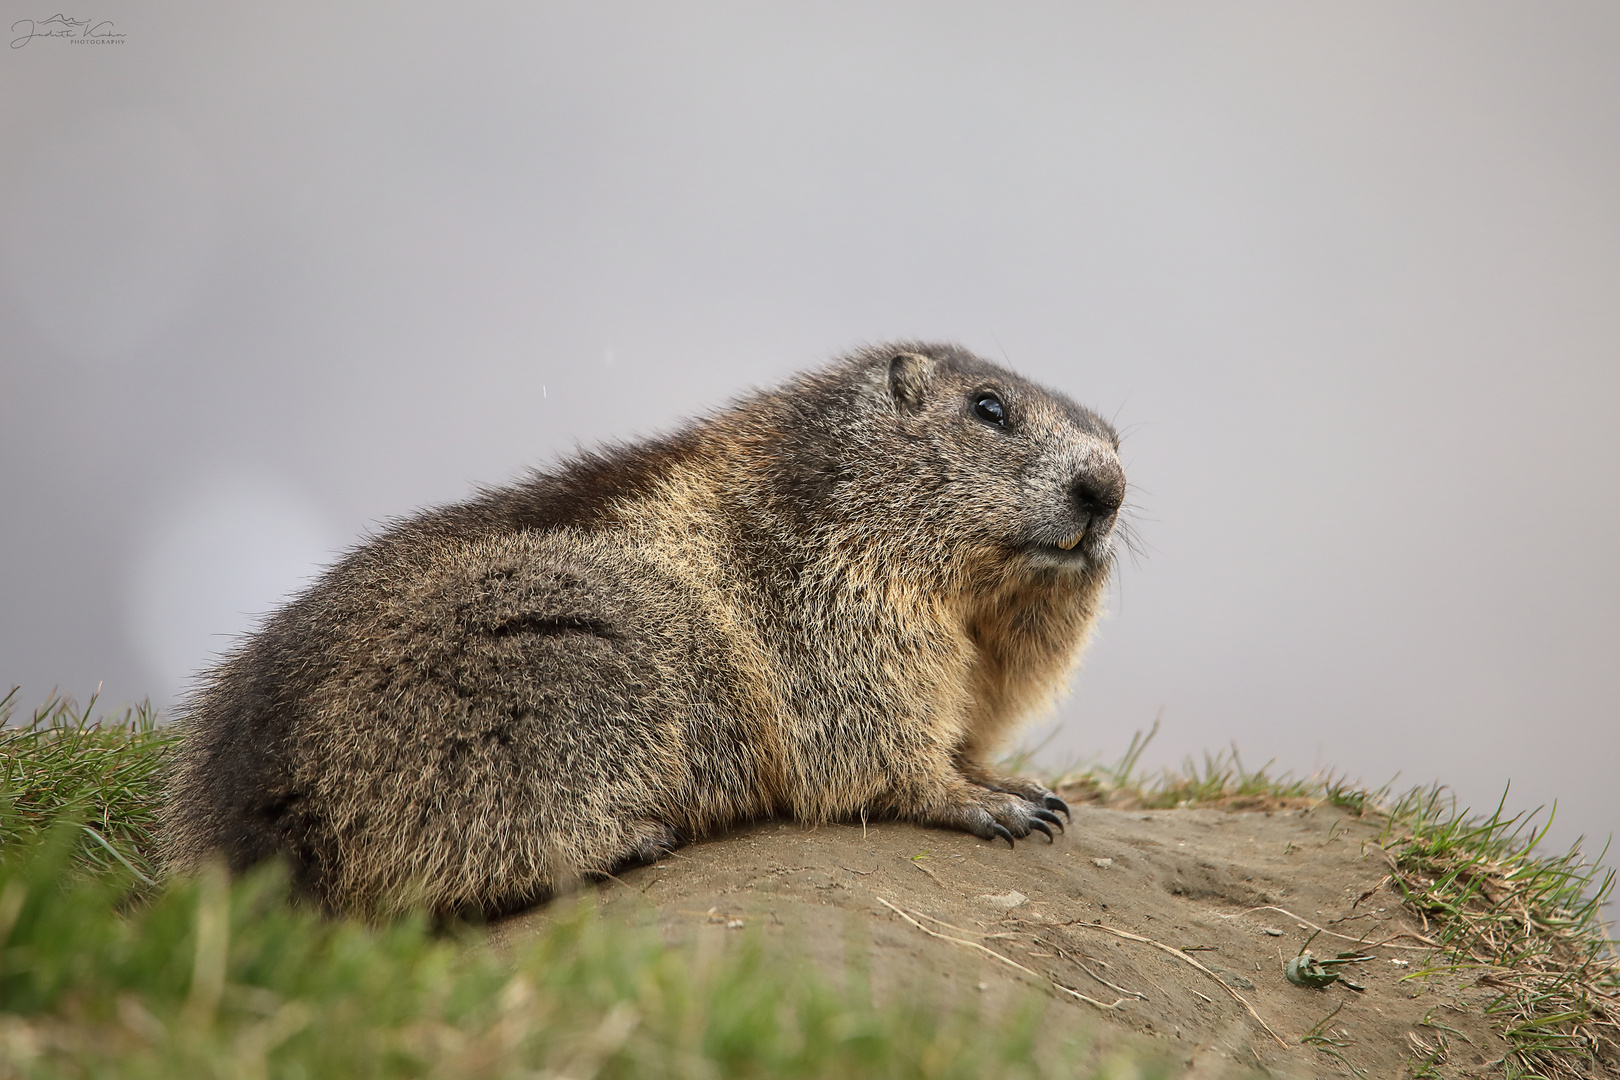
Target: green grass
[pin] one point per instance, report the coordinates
(217, 979)
(103, 775)
(105, 971)
(1218, 780)
(104, 974)
(1527, 925)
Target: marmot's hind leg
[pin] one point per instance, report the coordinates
(652, 840)
(523, 733)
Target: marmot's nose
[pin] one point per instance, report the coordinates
(1099, 488)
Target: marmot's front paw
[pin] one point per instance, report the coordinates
(989, 814)
(1024, 788)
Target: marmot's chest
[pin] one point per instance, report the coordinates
(1023, 649)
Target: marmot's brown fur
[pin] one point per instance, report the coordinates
(829, 600)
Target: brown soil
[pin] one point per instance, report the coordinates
(1237, 891)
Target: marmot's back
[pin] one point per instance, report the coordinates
(831, 598)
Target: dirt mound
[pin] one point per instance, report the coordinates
(1177, 924)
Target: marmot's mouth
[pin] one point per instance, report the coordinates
(1081, 548)
(1066, 551)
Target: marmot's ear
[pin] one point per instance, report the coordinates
(909, 376)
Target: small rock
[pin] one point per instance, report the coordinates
(734, 924)
(1273, 931)
(1102, 864)
(1006, 900)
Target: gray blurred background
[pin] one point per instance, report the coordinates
(1348, 276)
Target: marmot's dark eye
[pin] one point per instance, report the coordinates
(989, 409)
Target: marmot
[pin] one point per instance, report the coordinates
(830, 600)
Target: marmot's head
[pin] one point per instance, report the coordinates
(956, 456)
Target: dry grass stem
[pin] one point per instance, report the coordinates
(1077, 995)
(1386, 943)
(1184, 958)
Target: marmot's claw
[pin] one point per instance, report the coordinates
(1001, 831)
(1055, 803)
(1047, 815)
(1041, 827)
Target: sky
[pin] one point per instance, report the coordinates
(1347, 276)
